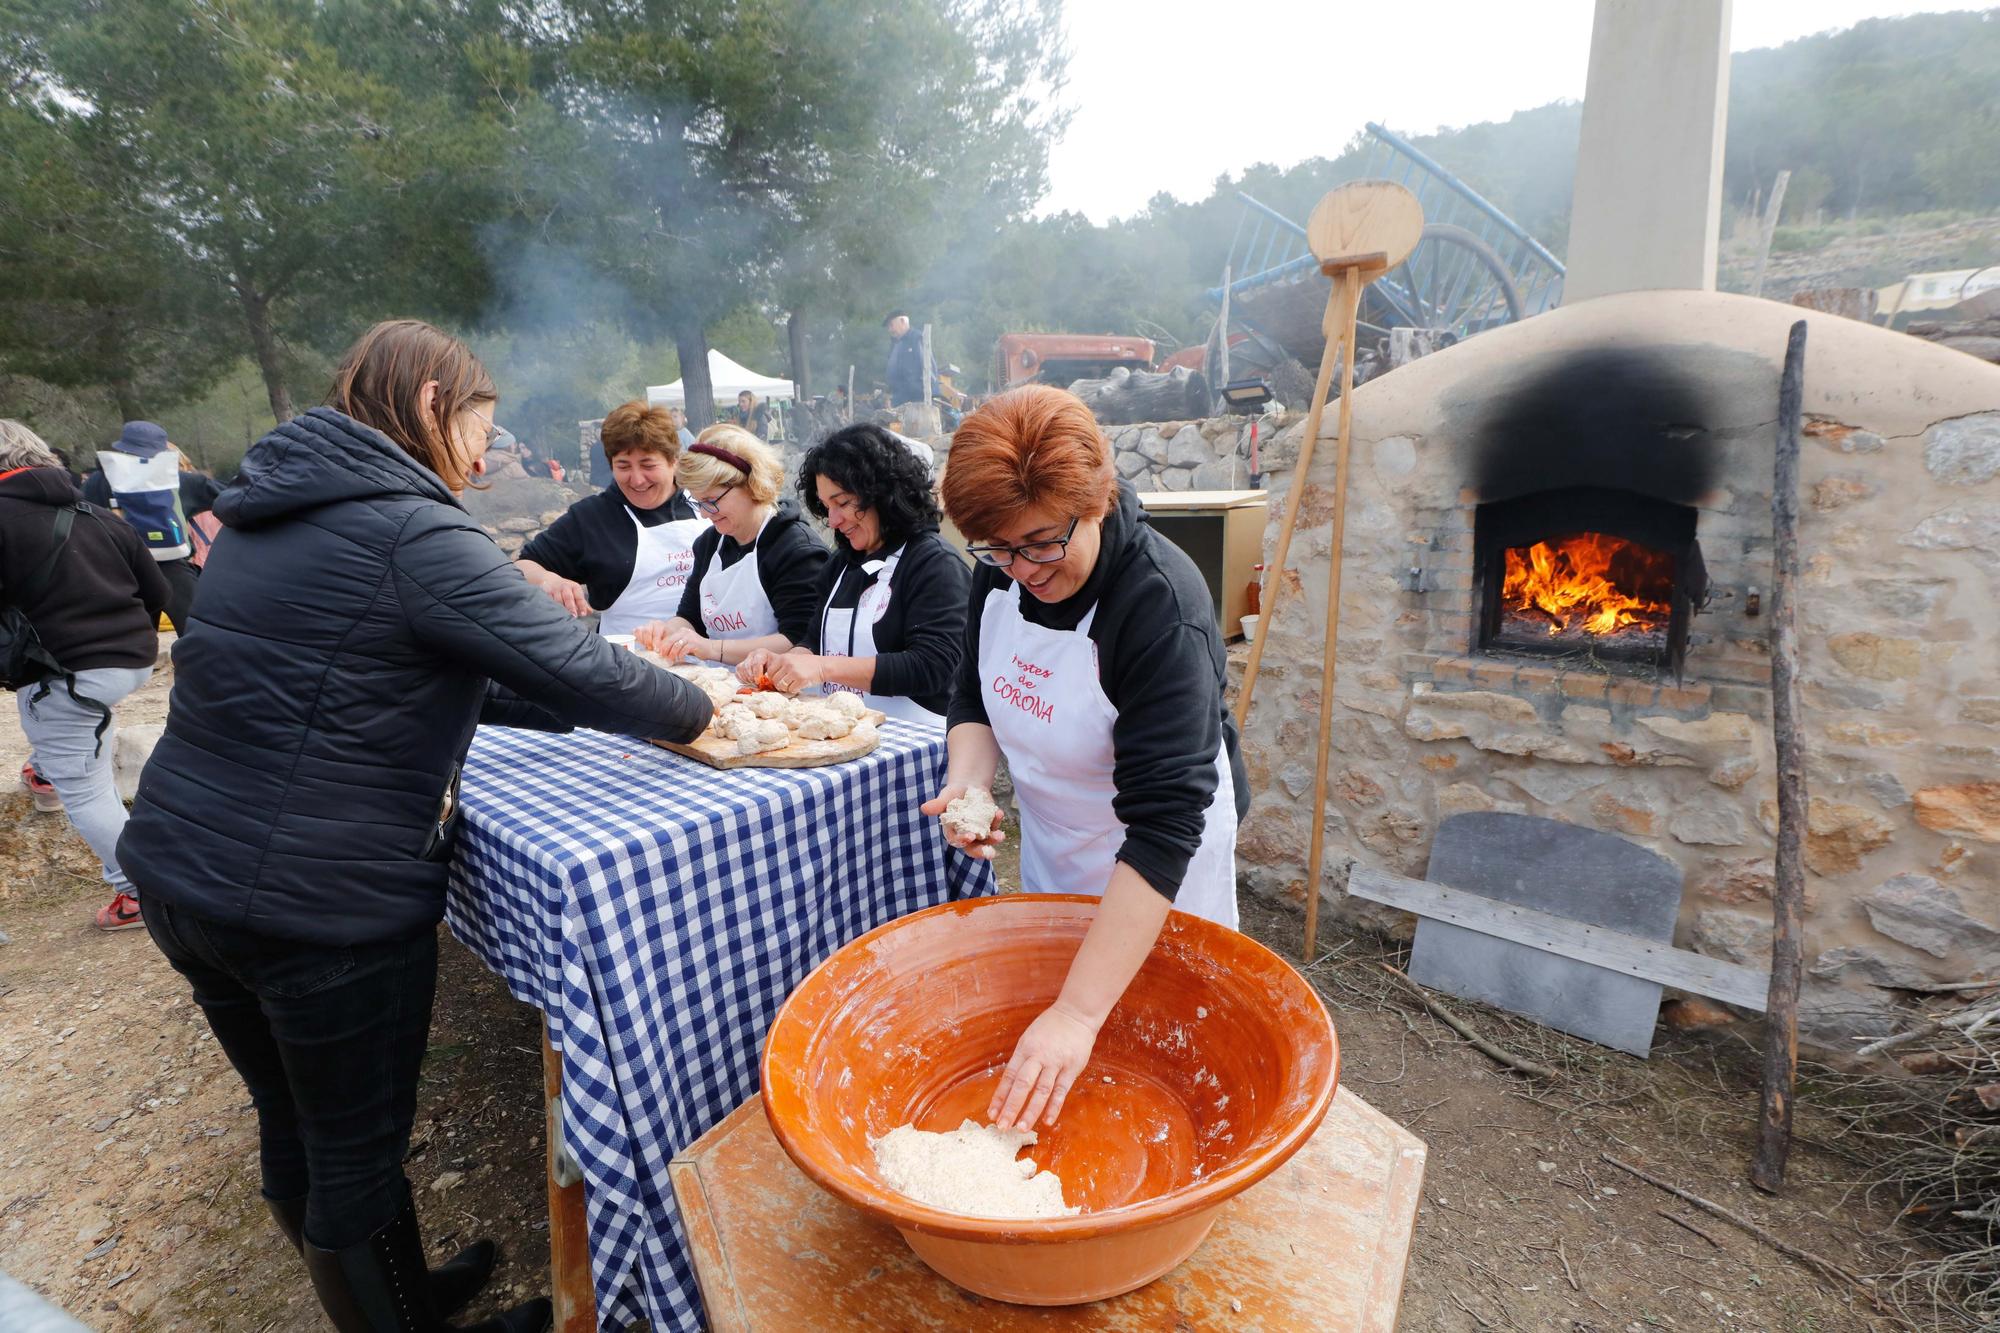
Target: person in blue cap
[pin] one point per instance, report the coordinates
(140, 477)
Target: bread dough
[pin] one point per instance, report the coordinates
(846, 703)
(763, 734)
(969, 1170)
(732, 720)
(769, 704)
(818, 723)
(970, 816)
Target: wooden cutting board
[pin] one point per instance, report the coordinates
(720, 752)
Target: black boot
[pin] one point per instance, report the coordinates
(453, 1283)
(381, 1286)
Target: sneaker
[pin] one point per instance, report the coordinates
(121, 914)
(46, 800)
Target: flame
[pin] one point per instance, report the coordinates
(1591, 582)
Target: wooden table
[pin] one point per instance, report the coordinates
(1321, 1243)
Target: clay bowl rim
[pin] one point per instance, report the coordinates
(887, 1205)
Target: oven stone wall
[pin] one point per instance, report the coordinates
(1900, 534)
(1212, 454)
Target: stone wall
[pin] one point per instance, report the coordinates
(1897, 616)
(1209, 455)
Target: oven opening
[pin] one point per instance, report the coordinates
(1592, 575)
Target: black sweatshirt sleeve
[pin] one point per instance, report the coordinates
(1164, 745)
(790, 569)
(560, 546)
(929, 602)
(968, 701)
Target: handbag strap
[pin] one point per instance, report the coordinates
(38, 582)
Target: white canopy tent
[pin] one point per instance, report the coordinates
(727, 379)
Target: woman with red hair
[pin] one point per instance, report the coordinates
(1094, 666)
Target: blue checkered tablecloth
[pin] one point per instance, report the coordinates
(658, 911)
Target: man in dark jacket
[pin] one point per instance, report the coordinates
(96, 617)
(905, 373)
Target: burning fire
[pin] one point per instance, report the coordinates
(1591, 582)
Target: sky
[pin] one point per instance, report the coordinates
(1168, 95)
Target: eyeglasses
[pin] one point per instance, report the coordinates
(1035, 553)
(714, 507)
(492, 431)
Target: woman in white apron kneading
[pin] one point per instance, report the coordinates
(629, 548)
(754, 583)
(891, 619)
(1094, 665)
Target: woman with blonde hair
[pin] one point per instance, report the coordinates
(292, 833)
(755, 581)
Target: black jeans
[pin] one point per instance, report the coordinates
(182, 578)
(328, 1038)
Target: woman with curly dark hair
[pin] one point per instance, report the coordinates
(891, 623)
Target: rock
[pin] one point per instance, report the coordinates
(1739, 937)
(1964, 451)
(1461, 797)
(1985, 712)
(1631, 813)
(1131, 463)
(1690, 1012)
(1708, 824)
(1357, 789)
(1732, 774)
(1838, 835)
(1831, 1017)
(1552, 786)
(511, 543)
(1219, 474)
(1969, 809)
(1872, 966)
(1486, 703)
(1906, 599)
(1966, 527)
(1876, 657)
(1918, 911)
(1839, 492)
(1851, 441)
(1395, 456)
(447, 1181)
(550, 516)
(1187, 448)
(518, 523)
(129, 754)
(1885, 788)
(5, 938)
(1153, 446)
(1749, 880)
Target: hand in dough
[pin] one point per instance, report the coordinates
(970, 817)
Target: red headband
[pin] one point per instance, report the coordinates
(737, 461)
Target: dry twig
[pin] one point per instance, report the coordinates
(1464, 1029)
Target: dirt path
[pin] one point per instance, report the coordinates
(129, 1195)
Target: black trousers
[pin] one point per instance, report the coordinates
(329, 1039)
(182, 578)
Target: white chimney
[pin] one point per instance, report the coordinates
(1647, 209)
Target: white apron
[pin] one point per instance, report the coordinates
(660, 567)
(850, 632)
(1050, 715)
(733, 602)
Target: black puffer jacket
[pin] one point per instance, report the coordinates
(348, 631)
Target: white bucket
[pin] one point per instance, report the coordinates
(1250, 624)
(625, 641)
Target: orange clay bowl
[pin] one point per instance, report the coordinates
(1218, 1063)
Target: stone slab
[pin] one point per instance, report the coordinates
(1596, 878)
(1321, 1243)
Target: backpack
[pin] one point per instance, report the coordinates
(147, 492)
(23, 659)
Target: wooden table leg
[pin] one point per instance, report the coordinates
(570, 1286)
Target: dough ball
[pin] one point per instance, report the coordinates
(763, 734)
(822, 724)
(769, 704)
(970, 816)
(846, 703)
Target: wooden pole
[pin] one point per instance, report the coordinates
(1274, 570)
(1348, 282)
(1769, 229)
(1218, 373)
(1781, 1029)
(570, 1287)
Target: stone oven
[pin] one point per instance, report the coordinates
(1556, 601)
